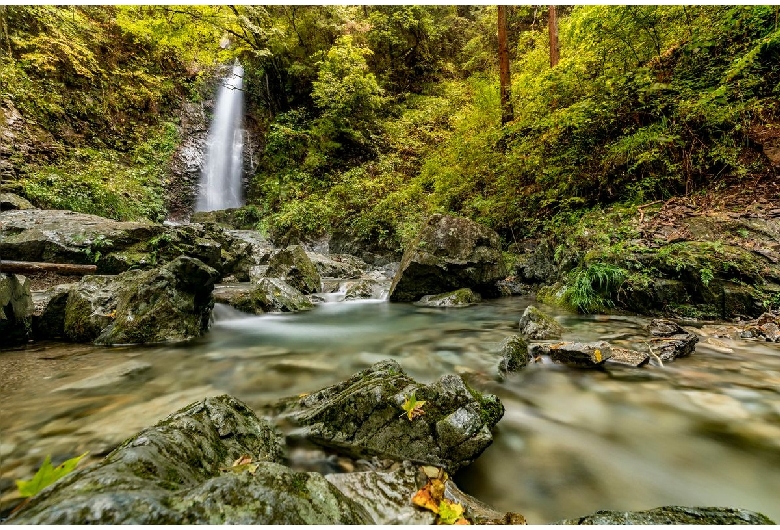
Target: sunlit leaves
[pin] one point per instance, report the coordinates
(413, 407)
(47, 475)
(432, 497)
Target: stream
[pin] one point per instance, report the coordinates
(702, 431)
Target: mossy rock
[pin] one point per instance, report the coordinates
(293, 266)
(180, 471)
(364, 416)
(449, 253)
(514, 355)
(667, 515)
(460, 298)
(537, 325)
(269, 295)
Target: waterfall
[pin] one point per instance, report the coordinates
(220, 181)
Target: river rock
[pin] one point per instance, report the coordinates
(110, 380)
(62, 236)
(629, 357)
(11, 201)
(386, 494)
(48, 321)
(293, 266)
(674, 515)
(181, 471)
(537, 325)
(170, 303)
(670, 341)
(449, 253)
(364, 417)
(514, 355)
(362, 289)
(341, 266)
(16, 309)
(460, 298)
(269, 295)
(580, 354)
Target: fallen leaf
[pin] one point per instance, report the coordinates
(423, 499)
(413, 407)
(431, 471)
(450, 512)
(47, 475)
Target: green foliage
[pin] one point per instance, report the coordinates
(591, 289)
(47, 475)
(108, 183)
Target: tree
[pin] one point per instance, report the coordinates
(552, 24)
(507, 113)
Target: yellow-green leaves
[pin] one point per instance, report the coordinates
(431, 497)
(47, 475)
(242, 463)
(451, 512)
(413, 407)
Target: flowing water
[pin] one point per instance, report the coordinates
(220, 181)
(702, 431)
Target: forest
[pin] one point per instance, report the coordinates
(562, 218)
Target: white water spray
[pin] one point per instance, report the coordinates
(220, 181)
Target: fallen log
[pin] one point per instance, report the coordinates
(70, 269)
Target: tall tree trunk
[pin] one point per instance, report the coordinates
(507, 114)
(552, 24)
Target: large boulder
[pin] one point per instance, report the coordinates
(338, 265)
(269, 295)
(16, 309)
(186, 470)
(674, 515)
(670, 341)
(537, 325)
(449, 253)
(293, 266)
(170, 303)
(365, 416)
(62, 236)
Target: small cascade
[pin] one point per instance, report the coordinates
(220, 181)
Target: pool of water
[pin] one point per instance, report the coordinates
(701, 431)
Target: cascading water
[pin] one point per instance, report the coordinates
(220, 181)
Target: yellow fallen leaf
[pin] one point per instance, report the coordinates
(423, 499)
(597, 354)
(450, 512)
(413, 407)
(243, 459)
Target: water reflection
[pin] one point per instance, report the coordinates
(701, 431)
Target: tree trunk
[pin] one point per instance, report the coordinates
(59, 268)
(507, 114)
(552, 24)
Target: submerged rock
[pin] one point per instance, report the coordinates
(460, 298)
(181, 471)
(170, 303)
(537, 325)
(449, 253)
(364, 416)
(674, 515)
(16, 309)
(670, 341)
(514, 355)
(580, 354)
(293, 266)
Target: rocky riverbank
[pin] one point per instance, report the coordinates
(159, 283)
